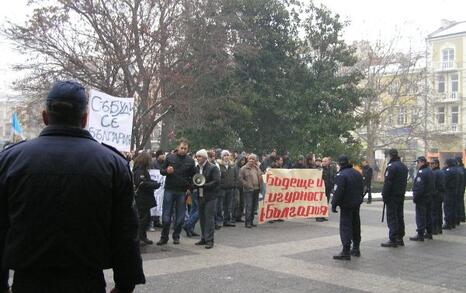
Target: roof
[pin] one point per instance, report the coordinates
(454, 28)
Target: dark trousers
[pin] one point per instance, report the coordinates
(251, 200)
(173, 201)
(219, 208)
(350, 227)
(144, 222)
(395, 220)
(437, 221)
(460, 206)
(239, 204)
(461, 203)
(207, 219)
(423, 218)
(449, 209)
(368, 191)
(228, 197)
(58, 281)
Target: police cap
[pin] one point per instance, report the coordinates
(68, 91)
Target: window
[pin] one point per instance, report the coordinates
(441, 84)
(454, 83)
(402, 116)
(441, 115)
(394, 88)
(448, 56)
(454, 115)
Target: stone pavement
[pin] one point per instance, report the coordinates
(296, 256)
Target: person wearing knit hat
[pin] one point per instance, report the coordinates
(202, 153)
(226, 198)
(207, 197)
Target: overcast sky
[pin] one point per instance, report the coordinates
(369, 19)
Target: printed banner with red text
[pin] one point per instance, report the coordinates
(293, 193)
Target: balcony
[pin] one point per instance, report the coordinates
(447, 66)
(447, 97)
(448, 128)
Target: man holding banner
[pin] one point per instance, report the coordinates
(347, 194)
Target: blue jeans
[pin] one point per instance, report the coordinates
(194, 215)
(173, 199)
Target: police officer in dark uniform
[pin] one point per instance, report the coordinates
(66, 206)
(437, 198)
(461, 185)
(451, 189)
(423, 188)
(347, 194)
(393, 194)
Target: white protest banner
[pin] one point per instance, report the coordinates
(111, 120)
(293, 193)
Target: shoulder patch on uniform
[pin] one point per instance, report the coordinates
(113, 149)
(389, 164)
(420, 171)
(338, 174)
(448, 169)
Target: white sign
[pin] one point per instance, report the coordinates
(158, 193)
(111, 120)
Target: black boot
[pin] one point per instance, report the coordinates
(344, 254)
(417, 238)
(355, 251)
(389, 243)
(428, 236)
(446, 227)
(157, 222)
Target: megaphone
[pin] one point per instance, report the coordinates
(199, 180)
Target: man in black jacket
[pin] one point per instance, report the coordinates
(393, 195)
(207, 198)
(451, 191)
(423, 188)
(179, 169)
(328, 175)
(66, 206)
(228, 179)
(347, 194)
(461, 186)
(437, 198)
(367, 177)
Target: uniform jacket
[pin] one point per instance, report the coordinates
(181, 179)
(349, 189)
(394, 185)
(439, 179)
(212, 176)
(66, 201)
(228, 176)
(461, 180)
(245, 177)
(451, 183)
(424, 185)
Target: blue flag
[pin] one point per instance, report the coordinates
(16, 128)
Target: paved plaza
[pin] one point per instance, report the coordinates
(296, 256)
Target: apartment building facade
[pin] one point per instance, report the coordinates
(446, 51)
